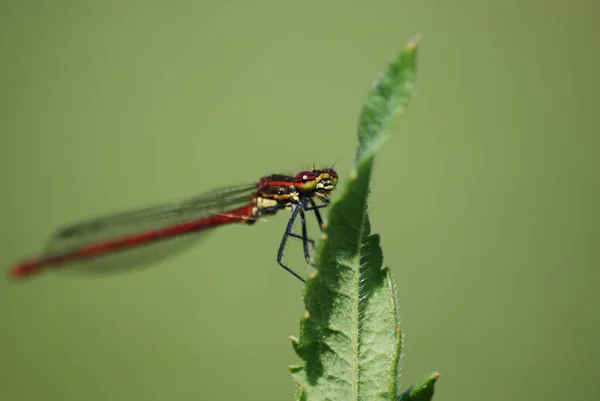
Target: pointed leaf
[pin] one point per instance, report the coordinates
(350, 340)
(422, 391)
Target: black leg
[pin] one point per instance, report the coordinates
(310, 241)
(296, 209)
(315, 208)
(299, 209)
(272, 209)
(304, 236)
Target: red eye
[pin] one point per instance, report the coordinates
(304, 176)
(305, 181)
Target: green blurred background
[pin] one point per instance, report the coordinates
(486, 196)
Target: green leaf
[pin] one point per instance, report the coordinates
(350, 340)
(387, 99)
(422, 391)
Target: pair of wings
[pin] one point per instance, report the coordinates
(121, 225)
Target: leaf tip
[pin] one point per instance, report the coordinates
(295, 344)
(295, 368)
(301, 395)
(414, 41)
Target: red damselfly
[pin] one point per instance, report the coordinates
(102, 240)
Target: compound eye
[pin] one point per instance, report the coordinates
(305, 181)
(334, 176)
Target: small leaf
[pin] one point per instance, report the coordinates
(422, 391)
(350, 340)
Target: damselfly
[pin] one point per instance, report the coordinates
(100, 242)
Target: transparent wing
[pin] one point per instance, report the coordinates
(121, 225)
